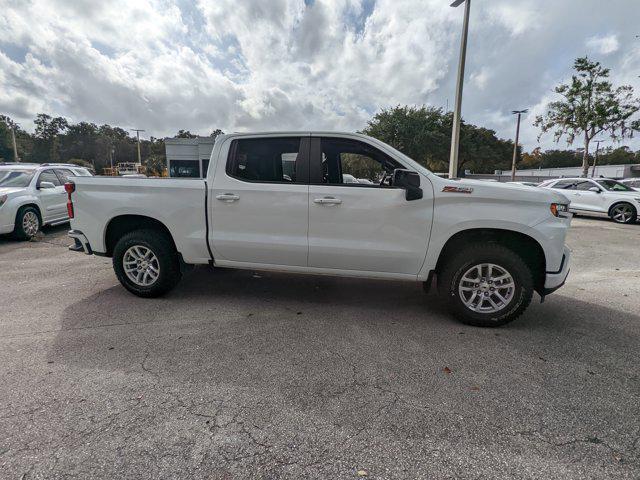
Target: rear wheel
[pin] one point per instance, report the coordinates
(146, 263)
(486, 285)
(27, 223)
(623, 213)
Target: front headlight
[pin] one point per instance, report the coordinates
(3, 199)
(558, 208)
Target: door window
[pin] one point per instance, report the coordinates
(266, 160)
(349, 162)
(49, 176)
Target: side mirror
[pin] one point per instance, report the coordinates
(594, 189)
(410, 181)
(43, 185)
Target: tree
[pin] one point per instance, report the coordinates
(48, 130)
(589, 106)
(185, 134)
(216, 132)
(424, 134)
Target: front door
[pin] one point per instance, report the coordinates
(588, 200)
(357, 220)
(259, 202)
(53, 200)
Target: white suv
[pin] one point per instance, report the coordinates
(632, 182)
(601, 195)
(32, 195)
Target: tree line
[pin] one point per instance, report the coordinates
(55, 139)
(589, 106)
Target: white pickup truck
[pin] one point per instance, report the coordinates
(279, 201)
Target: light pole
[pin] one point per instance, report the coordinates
(515, 146)
(455, 132)
(137, 130)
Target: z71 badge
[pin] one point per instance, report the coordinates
(454, 189)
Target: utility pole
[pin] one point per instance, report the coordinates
(137, 130)
(455, 131)
(595, 159)
(515, 145)
(15, 147)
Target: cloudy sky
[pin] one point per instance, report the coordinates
(243, 65)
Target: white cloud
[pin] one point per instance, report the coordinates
(603, 45)
(481, 77)
(165, 65)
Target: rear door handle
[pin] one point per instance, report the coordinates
(228, 197)
(328, 201)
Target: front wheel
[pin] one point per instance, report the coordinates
(486, 285)
(623, 213)
(146, 263)
(27, 223)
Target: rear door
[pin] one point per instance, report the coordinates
(357, 221)
(259, 205)
(54, 200)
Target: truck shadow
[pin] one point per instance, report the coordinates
(238, 314)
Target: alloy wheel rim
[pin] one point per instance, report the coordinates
(141, 265)
(30, 223)
(622, 213)
(486, 288)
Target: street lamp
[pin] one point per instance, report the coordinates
(515, 145)
(455, 132)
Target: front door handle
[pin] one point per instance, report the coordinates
(228, 197)
(328, 201)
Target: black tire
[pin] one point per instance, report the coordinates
(167, 260)
(450, 277)
(19, 231)
(621, 218)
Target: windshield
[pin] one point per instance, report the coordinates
(614, 186)
(15, 178)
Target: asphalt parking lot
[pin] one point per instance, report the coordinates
(244, 375)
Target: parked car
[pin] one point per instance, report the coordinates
(632, 182)
(528, 184)
(490, 245)
(600, 196)
(32, 195)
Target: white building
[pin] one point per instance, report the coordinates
(541, 174)
(188, 157)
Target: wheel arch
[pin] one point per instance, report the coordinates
(34, 205)
(522, 244)
(122, 224)
(619, 202)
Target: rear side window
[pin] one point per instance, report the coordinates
(584, 185)
(266, 160)
(64, 175)
(565, 185)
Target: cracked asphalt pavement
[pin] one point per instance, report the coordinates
(262, 375)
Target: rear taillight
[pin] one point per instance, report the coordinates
(69, 187)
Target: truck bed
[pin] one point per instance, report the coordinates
(178, 203)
